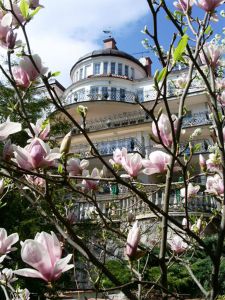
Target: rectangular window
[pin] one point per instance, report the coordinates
(94, 93)
(105, 94)
(140, 95)
(132, 73)
(105, 70)
(81, 74)
(127, 71)
(120, 69)
(96, 69)
(113, 93)
(113, 68)
(122, 94)
(77, 75)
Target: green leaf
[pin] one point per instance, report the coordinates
(178, 52)
(57, 73)
(196, 148)
(34, 12)
(161, 75)
(208, 30)
(24, 8)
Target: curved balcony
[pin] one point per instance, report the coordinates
(110, 94)
(98, 93)
(107, 147)
(118, 206)
(139, 117)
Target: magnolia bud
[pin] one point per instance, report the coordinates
(202, 162)
(82, 110)
(1, 186)
(11, 39)
(66, 142)
(133, 239)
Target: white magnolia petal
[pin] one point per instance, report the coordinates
(27, 272)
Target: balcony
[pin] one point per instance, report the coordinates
(99, 93)
(107, 147)
(117, 207)
(112, 95)
(140, 117)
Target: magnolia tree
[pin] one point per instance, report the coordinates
(45, 175)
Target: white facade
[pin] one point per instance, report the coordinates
(111, 83)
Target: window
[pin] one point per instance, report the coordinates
(81, 74)
(120, 69)
(94, 93)
(105, 93)
(127, 71)
(113, 93)
(105, 70)
(140, 95)
(132, 73)
(113, 68)
(96, 69)
(77, 74)
(122, 94)
(85, 71)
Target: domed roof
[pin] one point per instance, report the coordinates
(109, 52)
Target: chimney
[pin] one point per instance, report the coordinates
(110, 43)
(147, 63)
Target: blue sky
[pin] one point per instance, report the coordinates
(65, 30)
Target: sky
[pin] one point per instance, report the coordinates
(65, 30)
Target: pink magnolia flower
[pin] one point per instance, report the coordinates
(214, 162)
(183, 5)
(132, 164)
(220, 83)
(133, 240)
(177, 244)
(36, 155)
(37, 181)
(214, 185)
(165, 131)
(221, 98)
(41, 129)
(89, 184)
(75, 166)
(33, 71)
(212, 54)
(157, 163)
(209, 5)
(8, 128)
(44, 254)
(191, 191)
(6, 242)
(8, 149)
(202, 162)
(21, 77)
(118, 155)
(17, 16)
(5, 23)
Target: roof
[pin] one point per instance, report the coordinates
(109, 52)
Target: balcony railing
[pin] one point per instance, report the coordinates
(203, 147)
(139, 117)
(119, 206)
(124, 95)
(107, 147)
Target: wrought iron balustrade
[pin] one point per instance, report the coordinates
(89, 95)
(196, 119)
(123, 95)
(117, 207)
(107, 147)
(118, 120)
